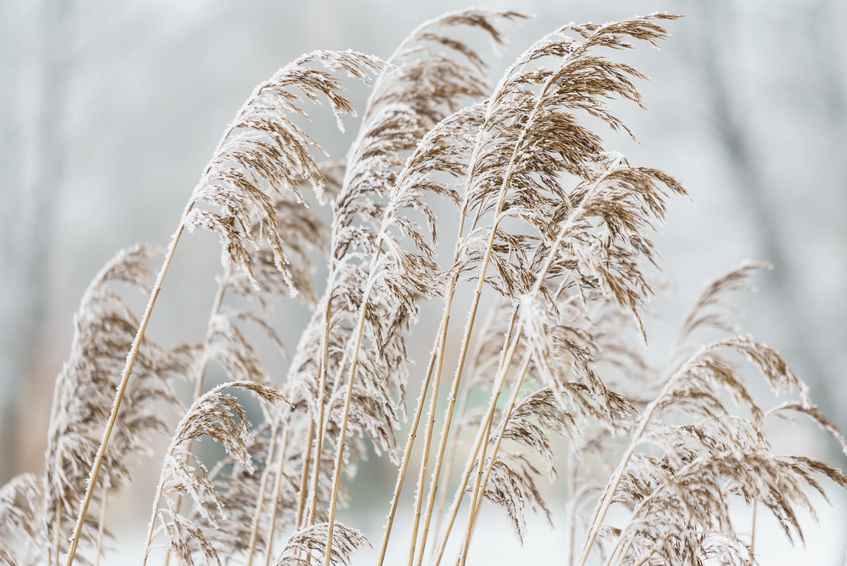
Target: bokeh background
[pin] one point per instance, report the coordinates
(109, 110)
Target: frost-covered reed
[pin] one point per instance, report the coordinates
(553, 228)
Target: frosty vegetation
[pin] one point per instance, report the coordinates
(552, 224)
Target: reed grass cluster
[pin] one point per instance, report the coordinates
(554, 239)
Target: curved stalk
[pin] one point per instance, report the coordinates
(479, 441)
(157, 501)
(501, 199)
(448, 471)
(603, 508)
(201, 376)
(119, 395)
(536, 287)
(139, 336)
(614, 482)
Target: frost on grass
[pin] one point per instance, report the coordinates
(546, 380)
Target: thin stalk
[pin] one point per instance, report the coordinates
(504, 187)
(448, 464)
(475, 494)
(401, 474)
(441, 341)
(572, 504)
(479, 441)
(454, 508)
(539, 280)
(536, 287)
(119, 395)
(339, 456)
(619, 551)
(439, 352)
(325, 357)
(319, 441)
(304, 481)
(646, 558)
(614, 482)
(479, 489)
(217, 303)
(445, 431)
(157, 501)
(482, 481)
(505, 360)
(260, 500)
(139, 336)
(277, 487)
(304, 478)
(448, 471)
(478, 445)
(600, 513)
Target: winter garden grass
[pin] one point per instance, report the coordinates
(552, 227)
